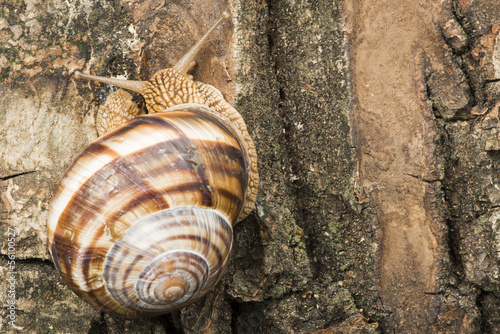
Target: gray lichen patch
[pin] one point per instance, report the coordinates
(55, 36)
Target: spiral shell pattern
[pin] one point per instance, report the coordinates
(141, 222)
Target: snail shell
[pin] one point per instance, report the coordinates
(141, 222)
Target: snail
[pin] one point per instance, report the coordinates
(141, 222)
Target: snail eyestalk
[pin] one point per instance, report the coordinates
(135, 86)
(186, 62)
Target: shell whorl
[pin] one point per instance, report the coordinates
(176, 268)
(114, 238)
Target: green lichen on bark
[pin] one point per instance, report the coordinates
(294, 76)
(60, 37)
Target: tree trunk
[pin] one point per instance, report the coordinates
(376, 125)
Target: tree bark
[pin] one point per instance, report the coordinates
(377, 130)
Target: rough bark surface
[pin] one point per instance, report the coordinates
(378, 138)
(396, 49)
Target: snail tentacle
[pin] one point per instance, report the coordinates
(186, 62)
(133, 85)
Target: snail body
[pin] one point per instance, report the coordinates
(141, 222)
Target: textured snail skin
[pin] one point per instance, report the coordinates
(160, 237)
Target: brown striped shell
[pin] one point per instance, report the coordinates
(141, 222)
(136, 235)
